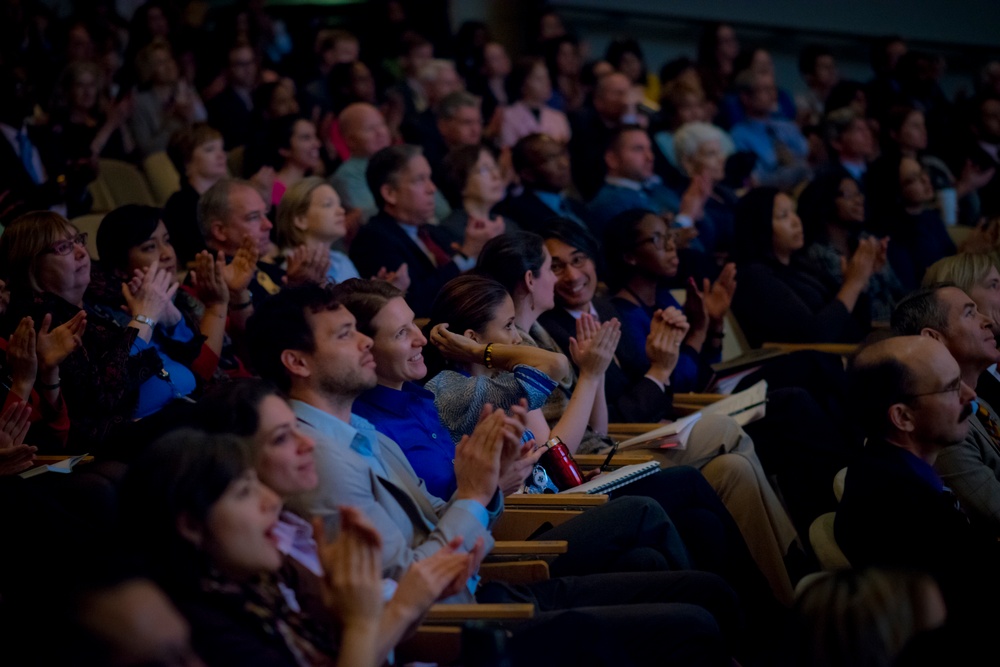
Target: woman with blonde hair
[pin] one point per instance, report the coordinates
(977, 275)
(311, 215)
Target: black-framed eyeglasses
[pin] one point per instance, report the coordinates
(64, 247)
(953, 388)
(577, 261)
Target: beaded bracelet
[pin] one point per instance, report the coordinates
(488, 356)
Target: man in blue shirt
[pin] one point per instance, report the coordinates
(631, 184)
(778, 144)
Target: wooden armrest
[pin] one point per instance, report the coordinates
(692, 398)
(843, 349)
(529, 548)
(441, 644)
(518, 572)
(630, 429)
(553, 500)
(619, 460)
(457, 613)
(56, 458)
(520, 524)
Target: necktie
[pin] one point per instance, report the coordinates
(27, 150)
(567, 212)
(438, 255)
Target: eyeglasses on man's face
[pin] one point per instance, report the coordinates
(577, 261)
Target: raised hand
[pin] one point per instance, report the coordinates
(22, 357)
(352, 568)
(441, 575)
(477, 459)
(862, 263)
(477, 233)
(715, 298)
(209, 279)
(15, 456)
(54, 346)
(154, 296)
(594, 346)
(239, 272)
(455, 346)
(400, 278)
(307, 265)
(666, 333)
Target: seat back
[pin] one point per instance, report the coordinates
(163, 177)
(122, 183)
(824, 543)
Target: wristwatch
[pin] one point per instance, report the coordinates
(148, 321)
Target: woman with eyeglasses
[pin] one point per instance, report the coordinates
(474, 185)
(642, 255)
(120, 374)
(904, 207)
(719, 448)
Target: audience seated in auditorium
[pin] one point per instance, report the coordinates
(970, 468)
(233, 219)
(204, 525)
(777, 143)
(295, 153)
(896, 512)
(782, 297)
(984, 149)
(642, 257)
(232, 109)
(759, 61)
(528, 113)
(701, 151)
(165, 102)
(832, 209)
(198, 156)
(630, 183)
(84, 121)
(563, 58)
(471, 180)
(592, 128)
(365, 133)
(294, 344)
(818, 68)
(851, 141)
(542, 165)
(121, 373)
(438, 79)
(904, 207)
(399, 178)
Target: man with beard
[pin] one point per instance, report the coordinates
(971, 468)
(914, 403)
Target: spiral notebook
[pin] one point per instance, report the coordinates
(616, 479)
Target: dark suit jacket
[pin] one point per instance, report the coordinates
(228, 113)
(531, 213)
(641, 401)
(23, 194)
(586, 149)
(894, 513)
(383, 243)
(989, 388)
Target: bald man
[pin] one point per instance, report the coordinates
(895, 512)
(365, 133)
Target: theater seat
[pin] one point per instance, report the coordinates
(824, 544)
(163, 177)
(119, 183)
(89, 224)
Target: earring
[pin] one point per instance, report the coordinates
(531, 301)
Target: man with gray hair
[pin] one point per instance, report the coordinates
(972, 468)
(233, 219)
(399, 178)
